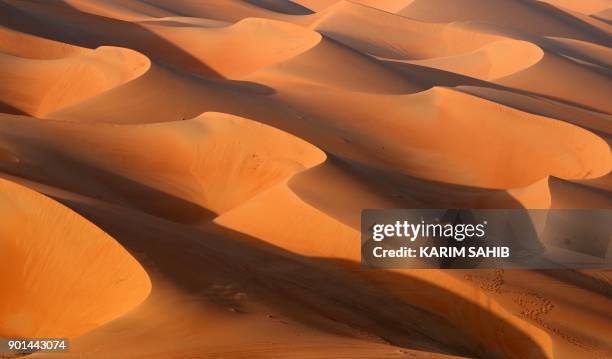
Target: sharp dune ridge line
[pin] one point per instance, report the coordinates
(184, 179)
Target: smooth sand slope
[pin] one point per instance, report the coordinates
(54, 283)
(40, 86)
(185, 179)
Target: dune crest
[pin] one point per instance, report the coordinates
(21, 44)
(490, 62)
(231, 145)
(587, 7)
(247, 166)
(431, 134)
(62, 275)
(213, 162)
(38, 87)
(385, 5)
(241, 48)
(382, 34)
(536, 17)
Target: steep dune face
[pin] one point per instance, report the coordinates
(587, 7)
(37, 86)
(275, 217)
(231, 11)
(596, 54)
(490, 62)
(385, 5)
(604, 15)
(61, 274)
(231, 145)
(533, 17)
(565, 80)
(286, 7)
(96, 31)
(316, 5)
(234, 154)
(456, 47)
(180, 96)
(346, 73)
(594, 121)
(19, 44)
(398, 132)
(382, 34)
(120, 9)
(214, 161)
(243, 47)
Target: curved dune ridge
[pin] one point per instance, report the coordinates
(375, 128)
(234, 166)
(536, 17)
(243, 47)
(120, 9)
(39, 86)
(490, 62)
(230, 146)
(215, 160)
(383, 34)
(386, 5)
(588, 7)
(61, 274)
(24, 45)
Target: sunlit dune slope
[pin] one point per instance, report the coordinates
(39, 86)
(129, 10)
(399, 132)
(386, 5)
(587, 7)
(604, 15)
(231, 10)
(243, 47)
(562, 79)
(533, 17)
(335, 65)
(490, 62)
(61, 274)
(382, 34)
(219, 153)
(457, 47)
(215, 161)
(281, 217)
(33, 47)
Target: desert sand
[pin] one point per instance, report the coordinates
(184, 179)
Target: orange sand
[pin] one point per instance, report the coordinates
(184, 179)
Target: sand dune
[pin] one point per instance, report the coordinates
(534, 17)
(489, 62)
(347, 74)
(385, 5)
(407, 118)
(38, 87)
(120, 9)
(586, 7)
(274, 223)
(186, 178)
(32, 47)
(243, 47)
(231, 11)
(555, 84)
(55, 284)
(211, 163)
(383, 34)
(604, 15)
